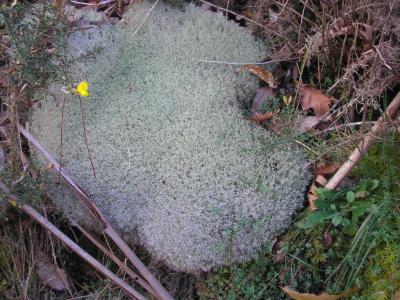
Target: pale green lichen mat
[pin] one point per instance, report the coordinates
(179, 170)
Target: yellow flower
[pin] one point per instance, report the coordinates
(12, 202)
(82, 88)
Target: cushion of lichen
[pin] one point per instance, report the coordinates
(177, 166)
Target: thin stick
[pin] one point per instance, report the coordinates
(347, 125)
(108, 229)
(114, 258)
(240, 64)
(82, 253)
(365, 143)
(381, 57)
(61, 137)
(145, 18)
(247, 19)
(85, 135)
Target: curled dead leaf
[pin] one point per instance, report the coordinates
(261, 117)
(50, 274)
(261, 96)
(263, 74)
(367, 34)
(280, 255)
(325, 169)
(307, 296)
(312, 195)
(309, 123)
(327, 238)
(313, 98)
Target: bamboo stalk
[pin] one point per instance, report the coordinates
(366, 142)
(79, 251)
(107, 227)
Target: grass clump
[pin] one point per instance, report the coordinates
(326, 257)
(178, 169)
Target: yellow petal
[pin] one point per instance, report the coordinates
(82, 88)
(84, 93)
(83, 85)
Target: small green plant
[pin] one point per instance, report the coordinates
(38, 35)
(342, 208)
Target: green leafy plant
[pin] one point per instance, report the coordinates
(342, 208)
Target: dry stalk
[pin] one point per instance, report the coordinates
(114, 258)
(106, 226)
(364, 144)
(85, 136)
(79, 251)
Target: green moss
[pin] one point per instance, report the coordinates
(313, 260)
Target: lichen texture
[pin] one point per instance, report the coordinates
(179, 170)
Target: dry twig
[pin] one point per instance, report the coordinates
(364, 144)
(107, 227)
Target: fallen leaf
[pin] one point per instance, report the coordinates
(311, 97)
(262, 94)
(49, 166)
(367, 33)
(273, 16)
(59, 4)
(280, 255)
(50, 274)
(327, 238)
(312, 195)
(307, 296)
(263, 74)
(261, 117)
(309, 123)
(325, 169)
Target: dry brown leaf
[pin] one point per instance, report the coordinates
(59, 4)
(280, 255)
(325, 169)
(261, 117)
(311, 97)
(261, 73)
(307, 296)
(367, 33)
(262, 94)
(309, 123)
(50, 274)
(312, 195)
(327, 238)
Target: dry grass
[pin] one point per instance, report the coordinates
(354, 43)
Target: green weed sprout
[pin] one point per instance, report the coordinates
(344, 207)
